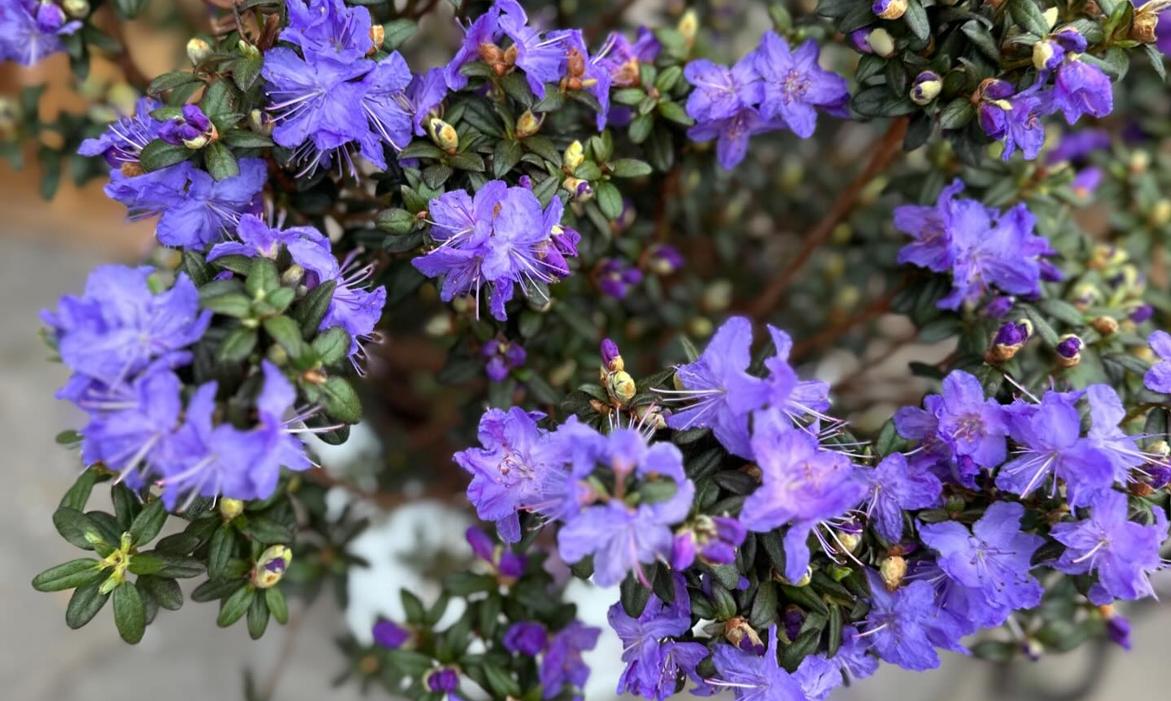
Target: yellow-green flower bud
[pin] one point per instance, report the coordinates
(882, 43)
(688, 26)
(198, 50)
(574, 156)
(230, 508)
(271, 566)
(444, 135)
(620, 386)
(77, 9)
(528, 124)
(892, 570)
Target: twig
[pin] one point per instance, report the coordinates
(884, 152)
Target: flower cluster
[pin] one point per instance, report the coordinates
(985, 250)
(32, 29)
(773, 87)
(500, 238)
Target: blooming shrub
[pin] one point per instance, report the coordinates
(510, 239)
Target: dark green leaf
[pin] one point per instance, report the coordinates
(84, 605)
(220, 161)
(159, 154)
(234, 607)
(69, 575)
(129, 613)
(148, 523)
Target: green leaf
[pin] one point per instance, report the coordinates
(630, 168)
(221, 551)
(170, 81)
(916, 19)
(245, 71)
(675, 113)
(274, 598)
(267, 531)
(166, 592)
(640, 128)
(1028, 15)
(129, 9)
(78, 495)
(413, 607)
(148, 523)
(69, 575)
(218, 100)
(234, 607)
(77, 528)
(332, 345)
(220, 161)
(257, 617)
(242, 138)
(311, 310)
(233, 304)
(237, 345)
(159, 154)
(505, 156)
(287, 333)
(397, 33)
(146, 563)
(956, 114)
(340, 400)
(633, 595)
(85, 604)
(609, 199)
(129, 613)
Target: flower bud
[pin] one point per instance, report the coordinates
(860, 40)
(528, 124)
(198, 50)
(882, 43)
(621, 387)
(444, 135)
(889, 9)
(1141, 313)
(1145, 26)
(230, 508)
(611, 357)
(926, 87)
(1105, 325)
(271, 566)
(443, 680)
(738, 632)
(77, 9)
(1069, 350)
(1010, 338)
(664, 259)
(892, 570)
(1160, 213)
(1140, 161)
(579, 190)
(688, 26)
(1047, 55)
(377, 37)
(390, 635)
(247, 49)
(574, 156)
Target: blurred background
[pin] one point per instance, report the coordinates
(46, 249)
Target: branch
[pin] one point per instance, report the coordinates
(885, 149)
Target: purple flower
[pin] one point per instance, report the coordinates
(561, 663)
(616, 277)
(896, 487)
(931, 228)
(753, 677)
(502, 238)
(1158, 378)
(664, 259)
(425, 94)
(721, 92)
(993, 560)
(479, 35)
(130, 425)
(621, 537)
(713, 538)
(1082, 89)
(583, 72)
(1119, 551)
(390, 113)
(525, 638)
(1050, 441)
(32, 29)
(1014, 119)
(802, 485)
(390, 635)
(994, 251)
(853, 657)
(622, 60)
(119, 326)
(506, 563)
(803, 401)
(196, 209)
(901, 622)
(973, 425)
(1118, 630)
(793, 85)
(732, 134)
(1106, 414)
(502, 358)
(123, 140)
(191, 128)
(654, 659)
(444, 680)
(505, 471)
(723, 392)
(1075, 146)
(329, 27)
(541, 58)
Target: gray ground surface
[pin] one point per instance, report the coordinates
(186, 657)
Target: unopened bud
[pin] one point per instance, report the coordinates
(574, 156)
(1047, 54)
(230, 508)
(1105, 325)
(1010, 338)
(1140, 161)
(738, 632)
(688, 26)
(926, 87)
(882, 43)
(247, 49)
(611, 357)
(848, 542)
(377, 36)
(528, 124)
(444, 135)
(892, 570)
(271, 566)
(1069, 350)
(77, 9)
(889, 9)
(1145, 26)
(1160, 213)
(198, 50)
(621, 387)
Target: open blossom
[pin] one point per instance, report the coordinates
(1051, 443)
(621, 537)
(993, 559)
(123, 140)
(723, 392)
(794, 86)
(654, 659)
(902, 622)
(1013, 118)
(759, 677)
(32, 29)
(974, 425)
(802, 485)
(561, 662)
(1158, 378)
(502, 239)
(983, 248)
(329, 27)
(195, 209)
(1121, 552)
(897, 486)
